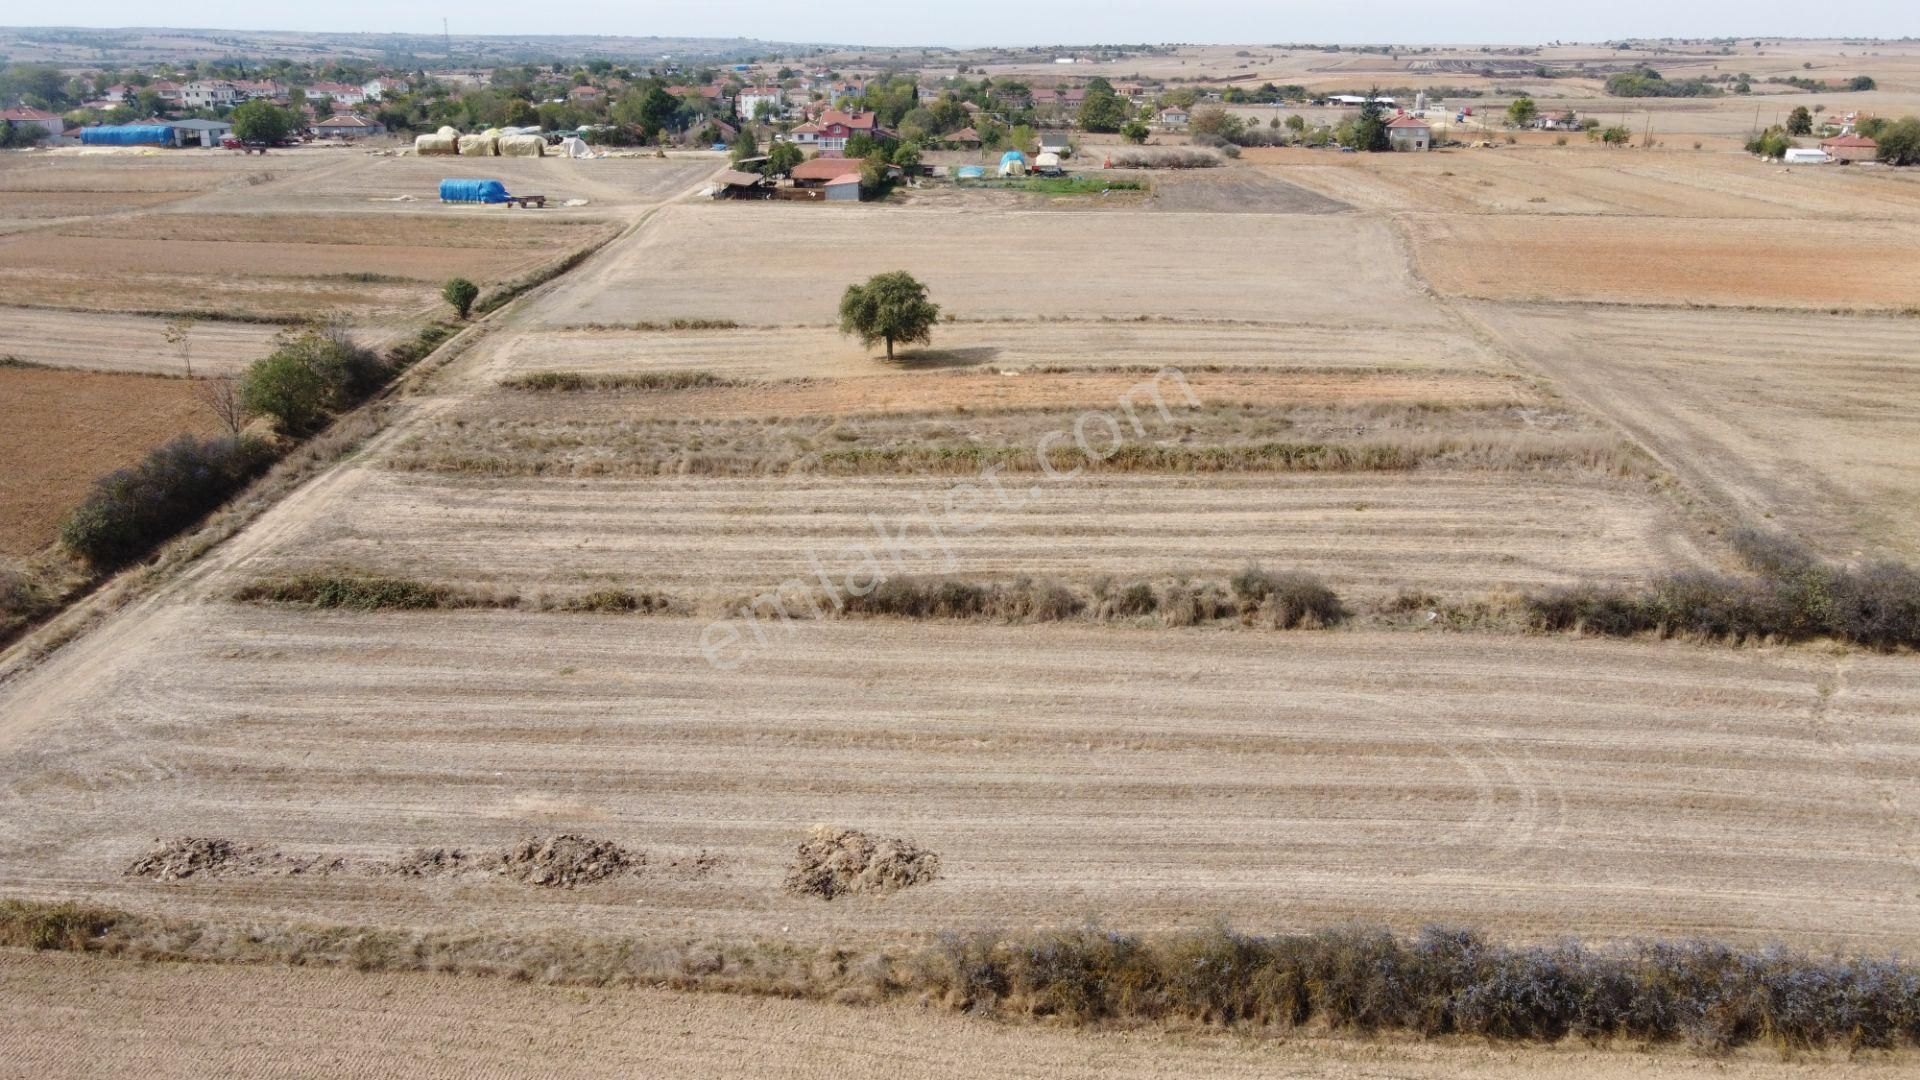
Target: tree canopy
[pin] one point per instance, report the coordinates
(261, 121)
(891, 307)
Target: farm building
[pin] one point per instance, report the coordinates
(1851, 148)
(1805, 156)
(1174, 117)
(1409, 133)
(965, 139)
(201, 132)
(735, 184)
(819, 171)
(1056, 142)
(845, 189)
(1562, 120)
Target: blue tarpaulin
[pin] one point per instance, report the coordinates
(971, 172)
(486, 191)
(127, 135)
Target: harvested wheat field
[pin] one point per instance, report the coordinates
(59, 430)
(710, 540)
(1329, 341)
(1000, 265)
(1533, 787)
(128, 343)
(1668, 262)
(77, 1019)
(1810, 421)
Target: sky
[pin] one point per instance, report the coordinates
(1037, 22)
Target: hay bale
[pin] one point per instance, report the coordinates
(522, 146)
(425, 145)
(479, 146)
(448, 132)
(835, 862)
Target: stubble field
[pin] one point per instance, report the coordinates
(1155, 777)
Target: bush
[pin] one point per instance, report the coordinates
(363, 592)
(1792, 595)
(134, 510)
(1287, 601)
(460, 293)
(312, 374)
(1167, 158)
(68, 927)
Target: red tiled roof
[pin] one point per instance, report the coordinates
(1407, 122)
(965, 134)
(821, 168)
(860, 121)
(26, 112)
(1851, 140)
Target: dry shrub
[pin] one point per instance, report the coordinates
(1167, 158)
(1791, 595)
(1287, 601)
(134, 510)
(615, 601)
(364, 592)
(910, 597)
(68, 927)
(835, 862)
(646, 380)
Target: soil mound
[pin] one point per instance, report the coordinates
(564, 861)
(430, 862)
(211, 856)
(834, 862)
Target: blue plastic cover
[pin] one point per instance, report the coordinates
(971, 172)
(128, 135)
(484, 191)
(1013, 155)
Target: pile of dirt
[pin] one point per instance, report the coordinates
(564, 861)
(211, 856)
(429, 862)
(834, 862)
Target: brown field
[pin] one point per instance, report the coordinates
(1655, 261)
(1405, 768)
(1807, 421)
(77, 1019)
(59, 430)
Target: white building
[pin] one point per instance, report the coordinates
(209, 94)
(747, 105)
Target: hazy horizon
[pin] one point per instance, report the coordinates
(867, 23)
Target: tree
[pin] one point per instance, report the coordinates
(1900, 142)
(1799, 121)
(261, 121)
(461, 293)
(1771, 143)
(906, 155)
(1135, 132)
(1370, 128)
(1521, 111)
(1861, 83)
(782, 158)
(1102, 110)
(179, 334)
(1217, 122)
(286, 388)
(221, 396)
(745, 146)
(1022, 139)
(890, 307)
(1615, 135)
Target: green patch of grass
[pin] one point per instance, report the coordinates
(1061, 185)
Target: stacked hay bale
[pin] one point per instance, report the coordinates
(481, 145)
(522, 146)
(436, 144)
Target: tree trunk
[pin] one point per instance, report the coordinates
(889, 348)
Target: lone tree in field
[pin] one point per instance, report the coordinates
(891, 308)
(1521, 111)
(461, 293)
(1799, 121)
(261, 122)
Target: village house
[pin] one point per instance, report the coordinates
(1849, 148)
(339, 93)
(837, 127)
(586, 95)
(1409, 133)
(747, 105)
(378, 89)
(166, 90)
(964, 139)
(1173, 116)
(348, 126)
(1055, 142)
(25, 116)
(209, 94)
(1560, 120)
(806, 135)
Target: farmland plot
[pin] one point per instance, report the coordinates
(1811, 422)
(1533, 787)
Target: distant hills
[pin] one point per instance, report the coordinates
(139, 45)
